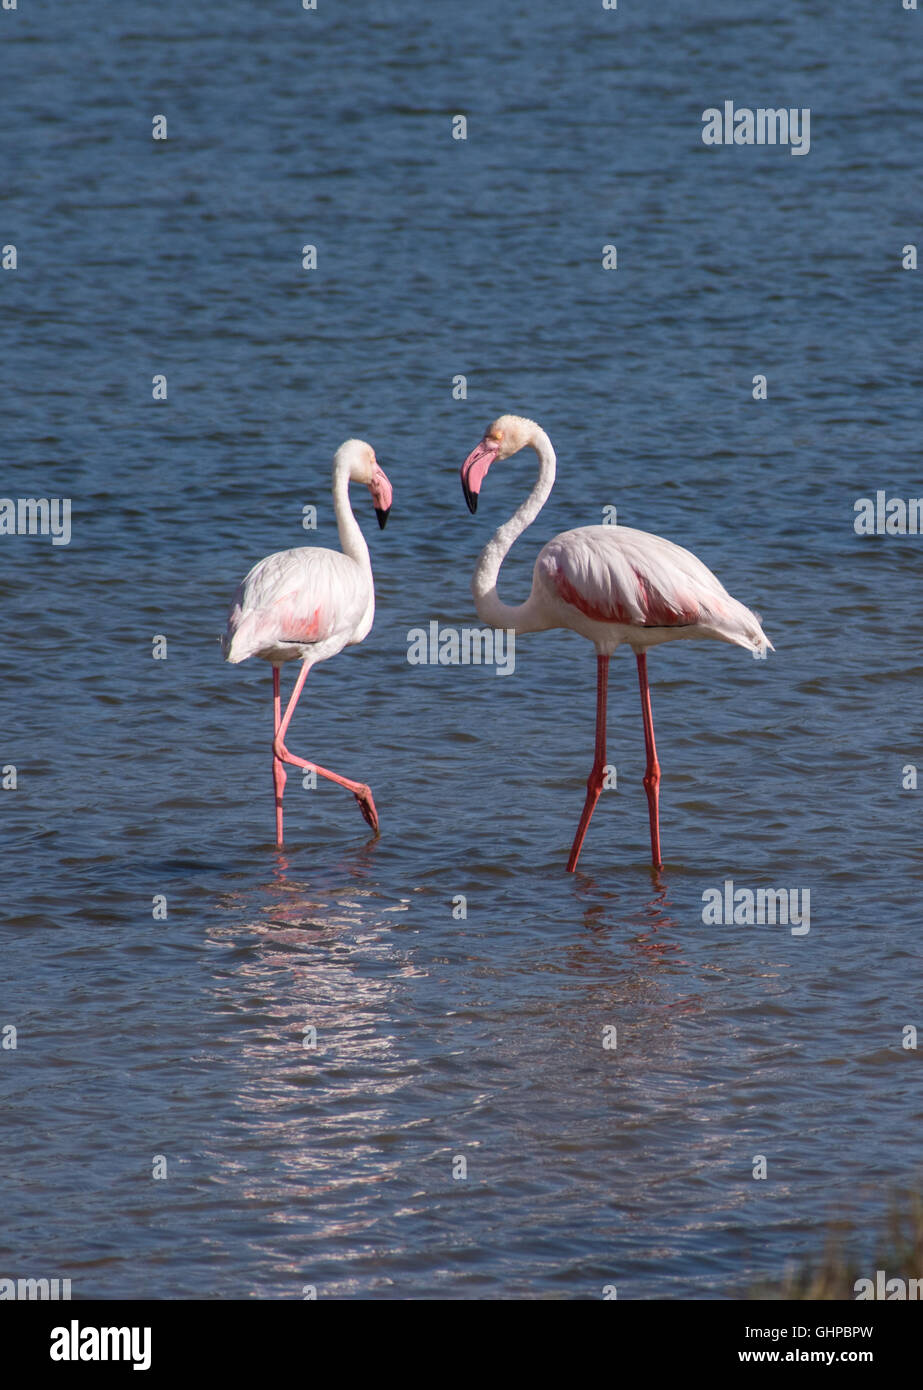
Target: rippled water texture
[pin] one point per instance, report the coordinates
(441, 1038)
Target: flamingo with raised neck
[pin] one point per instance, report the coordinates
(612, 584)
(308, 604)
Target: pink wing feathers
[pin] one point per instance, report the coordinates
(615, 574)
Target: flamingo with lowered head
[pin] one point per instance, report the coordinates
(308, 604)
(611, 584)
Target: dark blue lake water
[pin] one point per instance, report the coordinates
(142, 1041)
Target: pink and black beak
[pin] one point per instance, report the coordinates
(382, 493)
(474, 470)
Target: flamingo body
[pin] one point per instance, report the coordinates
(300, 605)
(614, 584)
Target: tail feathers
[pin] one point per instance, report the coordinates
(762, 642)
(744, 630)
(233, 647)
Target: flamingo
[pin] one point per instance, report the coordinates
(308, 604)
(611, 584)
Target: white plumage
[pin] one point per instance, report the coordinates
(615, 584)
(305, 604)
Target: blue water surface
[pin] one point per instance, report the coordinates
(145, 1043)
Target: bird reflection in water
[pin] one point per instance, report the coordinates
(601, 913)
(296, 904)
(312, 985)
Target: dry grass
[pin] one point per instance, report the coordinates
(899, 1251)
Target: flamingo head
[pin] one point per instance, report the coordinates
(364, 467)
(505, 437)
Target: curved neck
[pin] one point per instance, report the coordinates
(484, 580)
(352, 541)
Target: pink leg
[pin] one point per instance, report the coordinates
(360, 791)
(279, 775)
(652, 775)
(595, 780)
